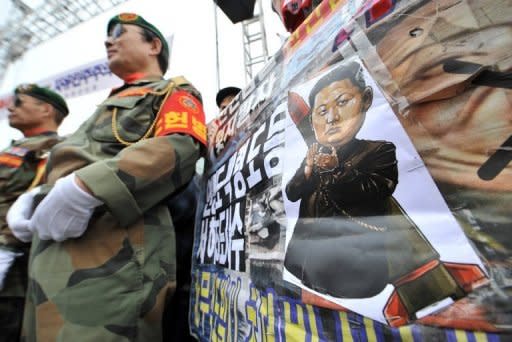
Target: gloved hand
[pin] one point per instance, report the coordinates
(6, 259)
(65, 212)
(18, 216)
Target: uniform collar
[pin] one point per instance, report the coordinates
(132, 78)
(136, 79)
(37, 131)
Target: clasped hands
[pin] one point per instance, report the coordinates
(315, 159)
(63, 214)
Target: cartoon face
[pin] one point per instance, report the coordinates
(338, 113)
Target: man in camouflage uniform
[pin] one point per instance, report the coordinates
(102, 262)
(37, 112)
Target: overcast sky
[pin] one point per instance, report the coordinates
(192, 24)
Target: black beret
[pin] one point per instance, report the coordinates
(225, 92)
(44, 94)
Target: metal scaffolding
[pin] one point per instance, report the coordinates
(255, 43)
(27, 26)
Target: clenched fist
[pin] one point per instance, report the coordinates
(321, 161)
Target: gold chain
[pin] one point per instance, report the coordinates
(364, 224)
(150, 129)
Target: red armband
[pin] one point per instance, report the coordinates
(182, 113)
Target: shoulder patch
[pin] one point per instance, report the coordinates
(10, 160)
(182, 113)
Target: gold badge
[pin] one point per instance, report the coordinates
(187, 102)
(23, 88)
(128, 17)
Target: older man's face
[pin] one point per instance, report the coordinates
(27, 112)
(127, 50)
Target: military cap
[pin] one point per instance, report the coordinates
(44, 94)
(225, 92)
(137, 20)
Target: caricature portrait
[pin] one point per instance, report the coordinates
(352, 237)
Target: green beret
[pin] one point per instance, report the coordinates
(44, 94)
(137, 20)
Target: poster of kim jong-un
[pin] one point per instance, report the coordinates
(367, 228)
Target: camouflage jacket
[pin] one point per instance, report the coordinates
(21, 167)
(140, 146)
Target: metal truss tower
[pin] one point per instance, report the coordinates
(28, 26)
(255, 43)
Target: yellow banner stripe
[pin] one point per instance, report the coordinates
(370, 330)
(480, 336)
(461, 336)
(345, 328)
(406, 334)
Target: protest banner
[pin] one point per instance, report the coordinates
(358, 188)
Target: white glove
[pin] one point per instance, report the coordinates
(65, 212)
(6, 260)
(18, 216)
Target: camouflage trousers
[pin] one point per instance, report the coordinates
(111, 284)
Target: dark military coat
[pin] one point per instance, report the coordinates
(352, 238)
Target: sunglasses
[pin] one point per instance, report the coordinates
(19, 102)
(116, 31)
